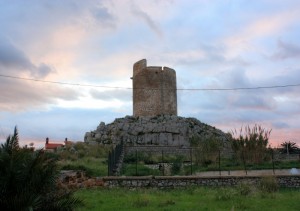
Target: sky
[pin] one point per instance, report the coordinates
(212, 44)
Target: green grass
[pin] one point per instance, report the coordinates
(129, 169)
(227, 164)
(81, 156)
(98, 167)
(142, 170)
(92, 166)
(195, 198)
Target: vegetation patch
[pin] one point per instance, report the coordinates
(202, 198)
(268, 184)
(29, 179)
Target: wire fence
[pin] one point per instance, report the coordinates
(115, 159)
(193, 161)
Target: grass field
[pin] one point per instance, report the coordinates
(194, 198)
(92, 166)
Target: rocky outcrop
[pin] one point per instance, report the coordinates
(165, 130)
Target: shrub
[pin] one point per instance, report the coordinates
(268, 184)
(130, 158)
(146, 158)
(80, 150)
(177, 165)
(206, 149)
(130, 170)
(28, 180)
(250, 145)
(244, 189)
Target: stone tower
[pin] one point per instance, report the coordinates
(154, 90)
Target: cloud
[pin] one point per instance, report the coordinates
(254, 101)
(148, 20)
(13, 60)
(108, 95)
(97, 41)
(43, 70)
(261, 27)
(19, 95)
(55, 123)
(286, 51)
(102, 15)
(241, 106)
(280, 125)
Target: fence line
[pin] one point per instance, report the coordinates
(194, 160)
(115, 160)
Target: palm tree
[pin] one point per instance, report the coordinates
(289, 147)
(28, 179)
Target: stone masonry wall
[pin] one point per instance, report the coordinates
(77, 179)
(158, 149)
(154, 90)
(185, 181)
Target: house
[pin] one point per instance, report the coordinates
(52, 146)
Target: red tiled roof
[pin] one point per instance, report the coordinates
(53, 146)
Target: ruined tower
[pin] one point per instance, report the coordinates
(154, 90)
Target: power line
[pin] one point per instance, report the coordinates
(243, 88)
(61, 83)
(178, 89)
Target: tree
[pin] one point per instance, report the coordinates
(251, 143)
(289, 147)
(28, 179)
(206, 149)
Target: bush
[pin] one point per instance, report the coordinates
(130, 170)
(250, 145)
(177, 165)
(146, 158)
(244, 189)
(28, 180)
(268, 184)
(206, 149)
(80, 150)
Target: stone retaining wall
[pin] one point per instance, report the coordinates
(159, 149)
(77, 179)
(292, 181)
